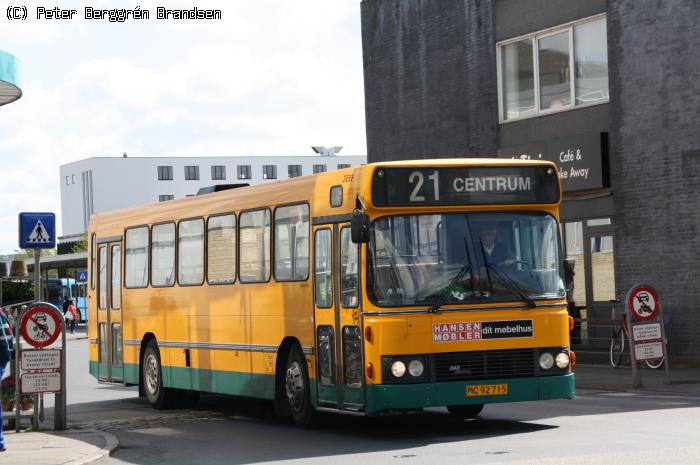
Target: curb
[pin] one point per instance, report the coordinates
(643, 390)
(110, 446)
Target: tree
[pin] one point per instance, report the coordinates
(80, 245)
(23, 254)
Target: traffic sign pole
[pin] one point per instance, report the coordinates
(37, 298)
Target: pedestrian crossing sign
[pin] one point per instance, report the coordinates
(37, 230)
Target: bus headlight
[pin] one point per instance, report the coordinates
(562, 360)
(546, 361)
(398, 369)
(415, 368)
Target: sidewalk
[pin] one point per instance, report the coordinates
(72, 447)
(684, 381)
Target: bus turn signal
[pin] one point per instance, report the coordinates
(369, 370)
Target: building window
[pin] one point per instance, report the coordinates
(558, 69)
(165, 197)
(218, 172)
(192, 173)
(244, 172)
(269, 171)
(294, 171)
(165, 173)
(320, 169)
(342, 166)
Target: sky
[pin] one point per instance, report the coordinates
(272, 77)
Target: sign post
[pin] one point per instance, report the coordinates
(647, 335)
(41, 324)
(41, 369)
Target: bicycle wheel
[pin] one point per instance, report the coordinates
(654, 363)
(617, 348)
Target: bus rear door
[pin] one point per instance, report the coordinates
(109, 315)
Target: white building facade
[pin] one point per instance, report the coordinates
(100, 184)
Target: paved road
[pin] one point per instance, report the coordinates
(595, 428)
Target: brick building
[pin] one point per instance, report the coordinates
(610, 90)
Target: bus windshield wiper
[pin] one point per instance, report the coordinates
(445, 293)
(511, 284)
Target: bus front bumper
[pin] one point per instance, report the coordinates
(414, 396)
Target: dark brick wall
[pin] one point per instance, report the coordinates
(430, 78)
(655, 118)
(518, 17)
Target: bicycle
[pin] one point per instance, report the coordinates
(618, 344)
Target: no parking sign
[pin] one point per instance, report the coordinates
(40, 326)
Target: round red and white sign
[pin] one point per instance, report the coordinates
(643, 302)
(40, 326)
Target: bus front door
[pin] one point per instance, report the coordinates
(339, 373)
(109, 318)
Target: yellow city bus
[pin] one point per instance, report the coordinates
(386, 287)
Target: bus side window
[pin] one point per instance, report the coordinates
(254, 243)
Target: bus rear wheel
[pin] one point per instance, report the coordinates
(152, 378)
(465, 411)
(297, 389)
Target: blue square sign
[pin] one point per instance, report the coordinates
(37, 230)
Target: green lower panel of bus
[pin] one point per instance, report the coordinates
(408, 396)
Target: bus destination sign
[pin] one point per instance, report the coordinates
(464, 185)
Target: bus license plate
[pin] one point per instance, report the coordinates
(487, 390)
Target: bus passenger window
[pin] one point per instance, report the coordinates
(191, 252)
(102, 280)
(93, 256)
(326, 359)
(163, 254)
(254, 237)
(348, 270)
(221, 249)
(136, 257)
(323, 278)
(292, 243)
(116, 291)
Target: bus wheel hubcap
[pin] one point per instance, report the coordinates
(294, 382)
(151, 374)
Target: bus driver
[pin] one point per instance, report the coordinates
(496, 253)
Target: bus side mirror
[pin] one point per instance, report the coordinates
(569, 265)
(359, 227)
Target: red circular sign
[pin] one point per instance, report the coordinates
(40, 326)
(643, 302)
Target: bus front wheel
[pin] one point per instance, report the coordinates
(465, 411)
(152, 378)
(297, 388)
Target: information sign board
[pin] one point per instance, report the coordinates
(41, 359)
(648, 350)
(646, 332)
(35, 382)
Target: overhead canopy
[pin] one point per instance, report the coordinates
(9, 89)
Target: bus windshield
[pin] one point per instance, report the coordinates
(464, 258)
